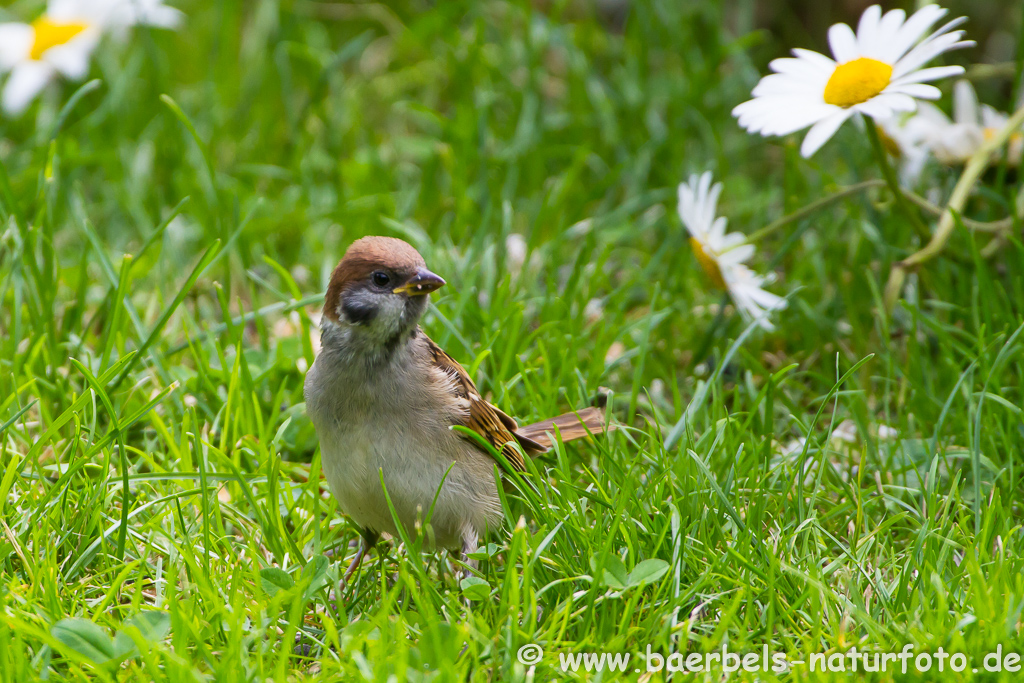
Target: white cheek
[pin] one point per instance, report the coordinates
(389, 317)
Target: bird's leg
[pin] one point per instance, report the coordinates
(367, 540)
(470, 540)
(469, 565)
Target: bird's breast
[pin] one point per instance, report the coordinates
(385, 440)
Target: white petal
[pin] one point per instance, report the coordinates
(843, 43)
(927, 51)
(736, 254)
(889, 27)
(731, 240)
(932, 114)
(126, 13)
(965, 103)
(751, 111)
(867, 29)
(753, 301)
(685, 205)
(782, 115)
(991, 118)
(710, 204)
(876, 108)
(822, 131)
(154, 13)
(896, 101)
(956, 143)
(800, 115)
(15, 44)
(72, 58)
(787, 84)
(802, 68)
(66, 11)
(692, 203)
(766, 299)
(912, 30)
(933, 73)
(116, 15)
(917, 90)
(816, 58)
(25, 82)
(717, 230)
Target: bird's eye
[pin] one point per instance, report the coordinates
(381, 279)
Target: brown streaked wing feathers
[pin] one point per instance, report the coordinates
(484, 419)
(500, 430)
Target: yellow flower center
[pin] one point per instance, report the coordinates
(1015, 144)
(49, 33)
(708, 262)
(990, 133)
(857, 81)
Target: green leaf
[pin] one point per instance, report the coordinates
(614, 572)
(475, 588)
(85, 638)
(647, 571)
(274, 580)
(124, 646)
(485, 552)
(154, 625)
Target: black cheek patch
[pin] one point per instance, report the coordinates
(358, 313)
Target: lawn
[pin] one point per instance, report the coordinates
(849, 479)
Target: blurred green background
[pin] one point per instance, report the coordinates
(461, 126)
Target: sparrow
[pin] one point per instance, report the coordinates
(384, 398)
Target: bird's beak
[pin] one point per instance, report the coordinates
(422, 283)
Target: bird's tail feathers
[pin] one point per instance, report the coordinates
(570, 427)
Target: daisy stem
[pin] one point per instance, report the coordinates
(894, 185)
(811, 208)
(819, 204)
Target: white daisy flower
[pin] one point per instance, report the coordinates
(907, 137)
(722, 255)
(36, 53)
(956, 141)
(114, 15)
(62, 40)
(877, 72)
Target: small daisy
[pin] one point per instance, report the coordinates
(117, 15)
(36, 53)
(956, 141)
(721, 254)
(62, 40)
(877, 72)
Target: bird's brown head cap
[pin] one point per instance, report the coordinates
(381, 264)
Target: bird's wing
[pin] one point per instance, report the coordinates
(484, 419)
